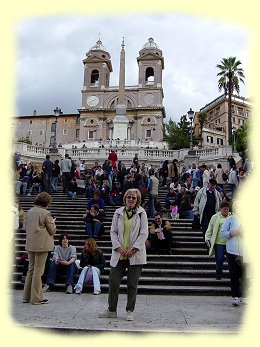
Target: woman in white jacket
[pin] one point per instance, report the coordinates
(129, 231)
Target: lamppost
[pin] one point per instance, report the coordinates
(234, 140)
(54, 149)
(191, 115)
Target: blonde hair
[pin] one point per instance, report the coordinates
(133, 191)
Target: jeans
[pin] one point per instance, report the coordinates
(95, 275)
(34, 186)
(110, 180)
(54, 183)
(195, 182)
(20, 186)
(115, 277)
(232, 189)
(151, 207)
(69, 270)
(220, 251)
(90, 227)
(89, 192)
(47, 182)
(71, 194)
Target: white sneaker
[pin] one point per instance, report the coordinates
(46, 288)
(69, 289)
(97, 292)
(77, 291)
(129, 316)
(243, 301)
(107, 314)
(235, 301)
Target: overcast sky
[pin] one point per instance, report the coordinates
(51, 49)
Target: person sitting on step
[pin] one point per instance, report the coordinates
(92, 262)
(160, 235)
(72, 188)
(96, 200)
(94, 219)
(63, 262)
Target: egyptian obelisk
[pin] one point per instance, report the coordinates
(120, 120)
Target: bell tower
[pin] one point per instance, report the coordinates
(151, 64)
(97, 69)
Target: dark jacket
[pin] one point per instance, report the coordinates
(98, 260)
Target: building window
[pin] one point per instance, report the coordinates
(217, 111)
(65, 131)
(91, 134)
(233, 119)
(78, 120)
(209, 139)
(30, 122)
(240, 111)
(66, 120)
(29, 133)
(220, 141)
(148, 133)
(77, 133)
(40, 132)
(53, 127)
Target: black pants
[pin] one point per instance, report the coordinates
(205, 223)
(237, 275)
(66, 176)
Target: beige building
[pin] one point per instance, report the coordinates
(143, 102)
(214, 132)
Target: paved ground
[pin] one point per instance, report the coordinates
(153, 313)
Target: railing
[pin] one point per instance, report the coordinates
(148, 155)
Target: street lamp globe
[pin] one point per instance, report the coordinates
(190, 114)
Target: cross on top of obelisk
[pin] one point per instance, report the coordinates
(123, 42)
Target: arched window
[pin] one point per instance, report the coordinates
(94, 78)
(149, 76)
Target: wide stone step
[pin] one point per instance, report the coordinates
(154, 290)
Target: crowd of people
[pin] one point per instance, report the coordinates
(196, 193)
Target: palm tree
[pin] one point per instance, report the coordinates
(230, 76)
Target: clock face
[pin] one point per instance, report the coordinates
(92, 100)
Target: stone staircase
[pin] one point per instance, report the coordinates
(188, 271)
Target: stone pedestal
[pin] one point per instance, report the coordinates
(120, 123)
(190, 158)
(54, 154)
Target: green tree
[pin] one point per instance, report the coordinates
(231, 75)
(241, 138)
(177, 134)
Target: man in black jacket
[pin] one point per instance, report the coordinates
(160, 235)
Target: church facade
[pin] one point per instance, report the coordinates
(142, 104)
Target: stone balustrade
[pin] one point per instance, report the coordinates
(90, 154)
